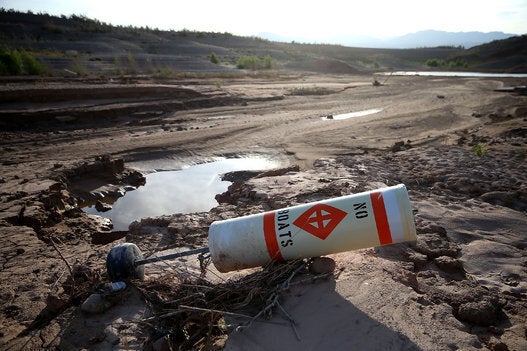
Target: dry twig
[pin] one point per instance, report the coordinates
(192, 313)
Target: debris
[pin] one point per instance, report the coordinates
(192, 312)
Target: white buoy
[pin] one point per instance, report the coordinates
(367, 219)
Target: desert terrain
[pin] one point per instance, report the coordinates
(457, 144)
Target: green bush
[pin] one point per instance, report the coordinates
(434, 62)
(31, 65)
(132, 64)
(268, 62)
(458, 63)
(255, 63)
(14, 62)
(214, 58)
(77, 67)
(10, 62)
(249, 62)
(480, 150)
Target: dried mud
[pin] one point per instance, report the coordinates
(459, 146)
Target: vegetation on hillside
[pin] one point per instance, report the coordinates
(79, 45)
(14, 62)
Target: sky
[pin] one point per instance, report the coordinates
(312, 20)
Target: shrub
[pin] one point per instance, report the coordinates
(434, 62)
(249, 62)
(132, 64)
(214, 58)
(11, 62)
(459, 62)
(30, 64)
(268, 62)
(480, 150)
(77, 67)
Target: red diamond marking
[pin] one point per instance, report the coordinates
(320, 220)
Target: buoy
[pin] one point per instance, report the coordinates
(125, 261)
(120, 263)
(372, 218)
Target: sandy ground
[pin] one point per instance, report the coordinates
(461, 286)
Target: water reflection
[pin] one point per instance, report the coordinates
(352, 114)
(185, 191)
(455, 74)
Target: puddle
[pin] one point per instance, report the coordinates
(454, 74)
(189, 190)
(352, 114)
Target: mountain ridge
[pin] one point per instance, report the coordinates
(420, 39)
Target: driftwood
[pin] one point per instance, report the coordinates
(193, 313)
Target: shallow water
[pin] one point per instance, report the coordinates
(191, 189)
(455, 74)
(352, 114)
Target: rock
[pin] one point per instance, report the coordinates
(102, 207)
(420, 260)
(95, 304)
(482, 312)
(322, 265)
(33, 216)
(398, 146)
(102, 224)
(449, 264)
(433, 245)
(116, 193)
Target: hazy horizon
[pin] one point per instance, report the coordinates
(328, 23)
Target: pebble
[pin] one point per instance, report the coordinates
(95, 304)
(322, 265)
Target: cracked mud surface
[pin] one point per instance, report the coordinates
(462, 285)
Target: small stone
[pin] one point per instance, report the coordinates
(449, 264)
(95, 304)
(322, 265)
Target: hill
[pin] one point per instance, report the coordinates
(426, 38)
(77, 45)
(511, 53)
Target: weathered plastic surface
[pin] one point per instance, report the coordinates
(120, 263)
(367, 219)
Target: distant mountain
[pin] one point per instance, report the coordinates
(427, 38)
(433, 38)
